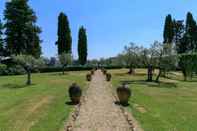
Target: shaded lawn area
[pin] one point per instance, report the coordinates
(39, 107)
(168, 106)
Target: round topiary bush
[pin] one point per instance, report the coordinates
(108, 77)
(75, 93)
(88, 77)
(124, 94)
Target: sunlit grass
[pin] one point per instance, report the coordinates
(39, 107)
(168, 106)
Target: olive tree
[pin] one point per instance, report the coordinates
(29, 63)
(65, 60)
(164, 58)
(131, 57)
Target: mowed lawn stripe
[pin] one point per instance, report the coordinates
(40, 106)
(169, 106)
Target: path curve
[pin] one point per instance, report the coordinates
(98, 112)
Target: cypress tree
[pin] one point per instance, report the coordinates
(1, 40)
(191, 33)
(64, 41)
(168, 33)
(179, 36)
(22, 34)
(82, 46)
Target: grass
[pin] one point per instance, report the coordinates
(39, 107)
(168, 106)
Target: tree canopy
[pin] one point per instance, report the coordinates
(64, 42)
(22, 33)
(82, 46)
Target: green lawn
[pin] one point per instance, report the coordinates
(39, 107)
(168, 106)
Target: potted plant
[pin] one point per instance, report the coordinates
(108, 76)
(92, 72)
(75, 93)
(104, 71)
(88, 77)
(124, 94)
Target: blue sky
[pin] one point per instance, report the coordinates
(110, 24)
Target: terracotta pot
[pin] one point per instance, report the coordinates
(92, 72)
(108, 77)
(88, 77)
(75, 93)
(124, 94)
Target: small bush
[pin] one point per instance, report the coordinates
(59, 69)
(75, 93)
(2, 69)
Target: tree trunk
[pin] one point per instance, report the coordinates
(158, 76)
(63, 70)
(28, 77)
(131, 71)
(150, 73)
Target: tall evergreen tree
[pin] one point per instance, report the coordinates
(82, 46)
(191, 33)
(64, 41)
(1, 40)
(179, 39)
(22, 33)
(168, 33)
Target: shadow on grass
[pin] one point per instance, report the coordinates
(121, 74)
(151, 84)
(121, 104)
(58, 74)
(16, 86)
(70, 103)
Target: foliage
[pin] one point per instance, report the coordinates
(131, 55)
(65, 59)
(22, 34)
(191, 33)
(70, 68)
(179, 30)
(2, 69)
(64, 41)
(2, 52)
(168, 30)
(28, 61)
(188, 64)
(82, 46)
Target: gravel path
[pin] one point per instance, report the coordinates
(99, 113)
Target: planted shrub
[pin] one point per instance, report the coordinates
(75, 93)
(108, 76)
(124, 94)
(88, 77)
(2, 69)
